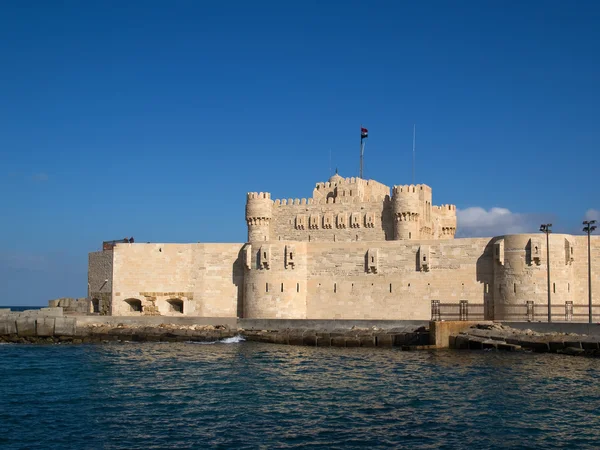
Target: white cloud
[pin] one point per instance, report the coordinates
(592, 214)
(478, 222)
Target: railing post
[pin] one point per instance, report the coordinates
(435, 310)
(464, 310)
(568, 311)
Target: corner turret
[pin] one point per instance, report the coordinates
(258, 216)
(405, 210)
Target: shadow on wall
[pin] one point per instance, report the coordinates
(485, 275)
(237, 278)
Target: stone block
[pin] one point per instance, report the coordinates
(310, 339)
(556, 345)
(461, 342)
(7, 326)
(51, 312)
(400, 340)
(367, 341)
(324, 340)
(384, 340)
(589, 345)
(45, 326)
(352, 342)
(338, 341)
(26, 326)
(295, 340)
(64, 326)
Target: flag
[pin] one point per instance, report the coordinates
(364, 133)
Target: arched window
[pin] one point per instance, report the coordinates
(175, 305)
(135, 305)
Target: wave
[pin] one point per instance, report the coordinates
(230, 340)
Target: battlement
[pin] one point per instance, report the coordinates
(293, 201)
(258, 195)
(410, 189)
(444, 209)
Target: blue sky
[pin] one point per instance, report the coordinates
(153, 119)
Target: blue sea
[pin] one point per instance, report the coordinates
(244, 395)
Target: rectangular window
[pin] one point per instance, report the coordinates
(334, 287)
(281, 287)
(267, 287)
(297, 287)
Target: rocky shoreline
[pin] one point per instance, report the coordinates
(501, 337)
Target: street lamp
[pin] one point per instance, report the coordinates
(588, 228)
(546, 228)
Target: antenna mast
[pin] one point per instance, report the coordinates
(413, 164)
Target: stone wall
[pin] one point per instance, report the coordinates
(100, 276)
(173, 279)
(377, 280)
(520, 275)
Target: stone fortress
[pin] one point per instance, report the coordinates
(355, 250)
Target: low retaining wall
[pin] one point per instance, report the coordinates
(329, 325)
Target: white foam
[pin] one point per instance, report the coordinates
(231, 340)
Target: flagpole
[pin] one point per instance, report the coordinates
(413, 165)
(361, 153)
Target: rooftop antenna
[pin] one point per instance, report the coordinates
(413, 165)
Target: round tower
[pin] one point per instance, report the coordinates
(258, 216)
(405, 209)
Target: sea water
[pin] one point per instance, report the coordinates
(240, 395)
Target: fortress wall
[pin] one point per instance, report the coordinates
(100, 277)
(520, 277)
(339, 286)
(275, 286)
(218, 276)
(286, 223)
(202, 276)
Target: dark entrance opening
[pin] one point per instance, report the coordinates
(135, 305)
(176, 305)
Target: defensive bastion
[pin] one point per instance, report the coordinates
(355, 250)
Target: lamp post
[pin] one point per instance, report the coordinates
(588, 228)
(546, 228)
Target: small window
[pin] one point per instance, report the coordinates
(135, 305)
(291, 256)
(281, 287)
(409, 235)
(487, 288)
(424, 258)
(554, 288)
(390, 288)
(568, 287)
(265, 255)
(175, 305)
(334, 287)
(266, 287)
(297, 287)
(515, 288)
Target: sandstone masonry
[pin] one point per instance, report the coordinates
(355, 250)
